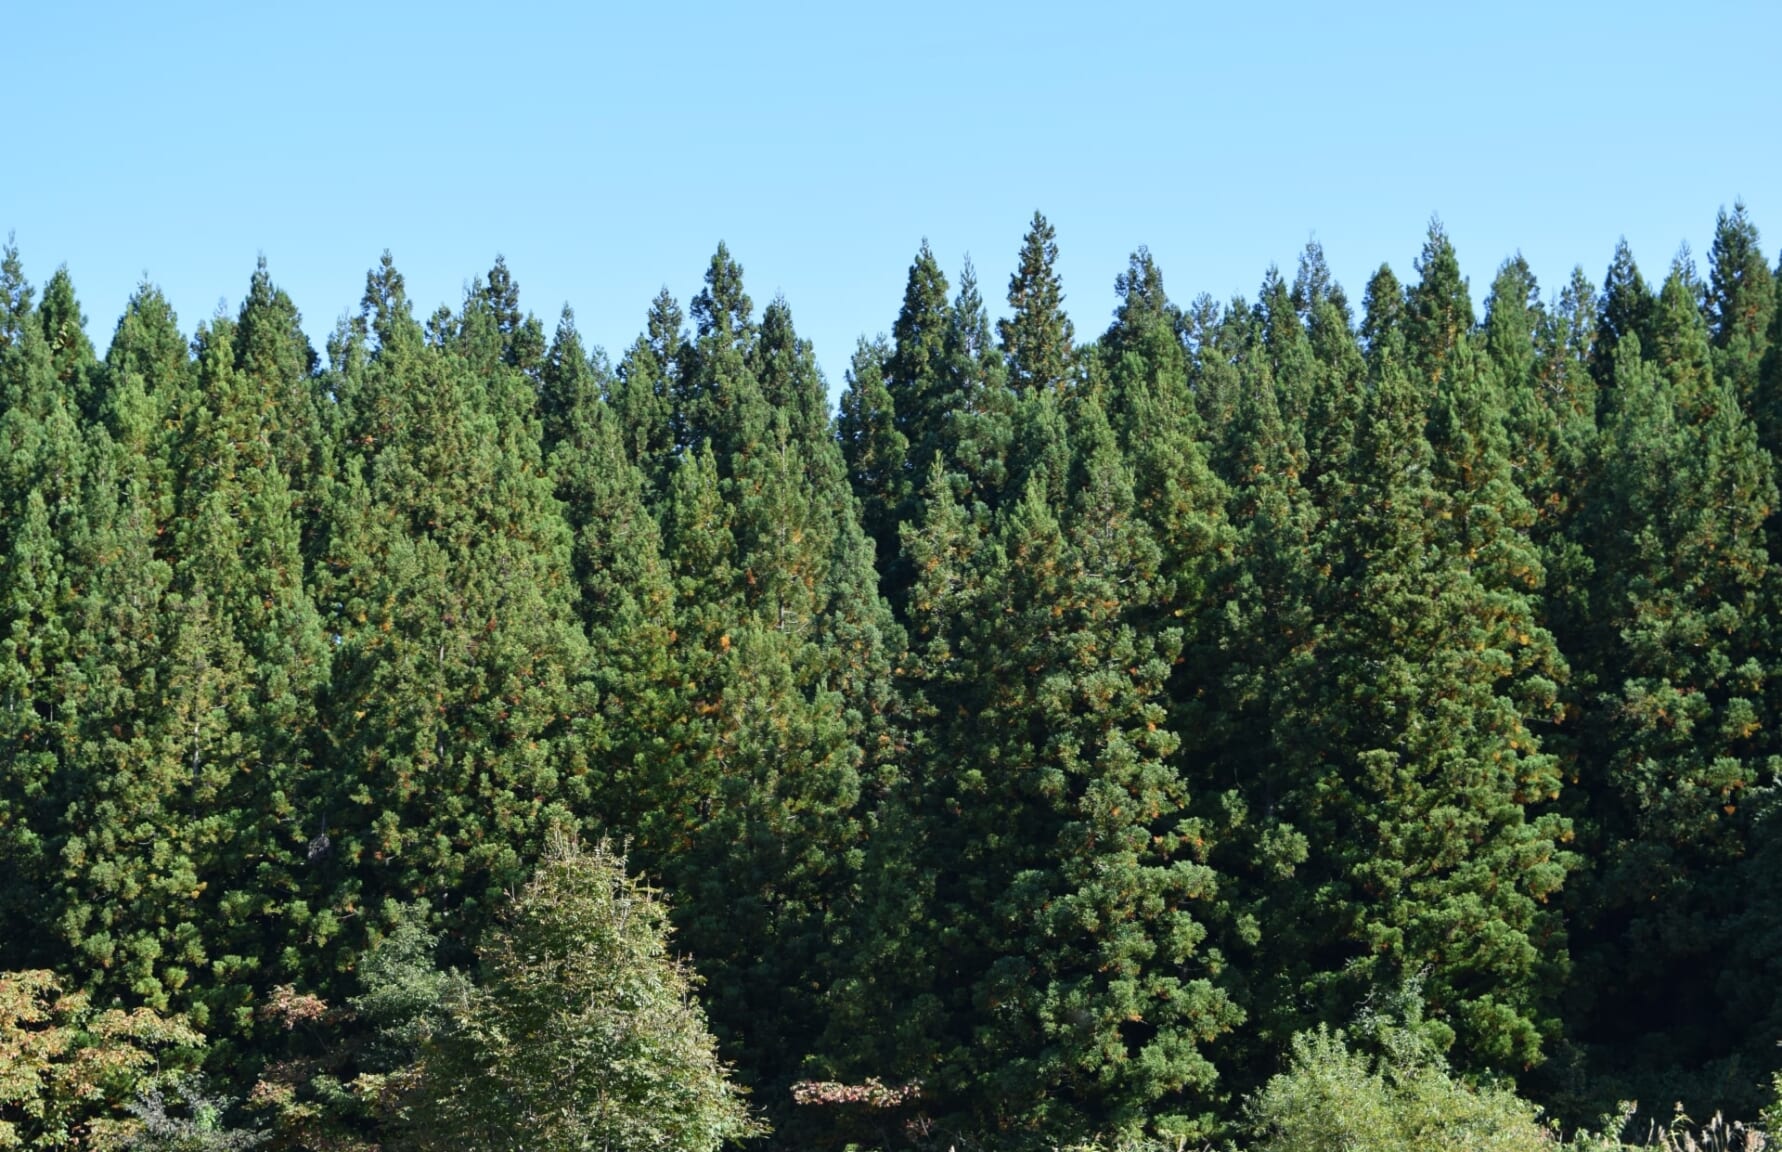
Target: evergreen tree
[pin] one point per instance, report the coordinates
(643, 391)
(1065, 969)
(1283, 344)
(876, 453)
(1676, 743)
(570, 385)
(982, 424)
(1037, 338)
(280, 365)
(1438, 308)
(718, 397)
(447, 584)
(1741, 303)
(925, 387)
(42, 470)
(1339, 391)
(65, 332)
(1624, 309)
(1383, 320)
(1420, 790)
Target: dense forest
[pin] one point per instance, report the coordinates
(1056, 742)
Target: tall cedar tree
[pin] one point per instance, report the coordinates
(1741, 304)
(753, 813)
(41, 512)
(1037, 338)
(1422, 788)
(450, 732)
(1064, 972)
(1677, 748)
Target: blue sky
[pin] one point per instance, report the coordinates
(606, 149)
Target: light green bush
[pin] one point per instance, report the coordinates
(1333, 1099)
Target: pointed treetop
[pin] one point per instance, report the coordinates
(722, 307)
(1143, 302)
(385, 307)
(1741, 290)
(1038, 338)
(1680, 340)
(15, 293)
(1439, 307)
(971, 319)
(1513, 312)
(1626, 308)
(920, 332)
(1312, 282)
(1382, 316)
(665, 327)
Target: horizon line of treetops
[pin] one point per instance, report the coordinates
(1062, 725)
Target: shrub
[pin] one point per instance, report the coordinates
(1334, 1099)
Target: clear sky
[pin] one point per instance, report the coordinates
(605, 149)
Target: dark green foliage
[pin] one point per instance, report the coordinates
(1741, 303)
(1036, 748)
(643, 390)
(1677, 756)
(924, 381)
(1037, 338)
(1383, 317)
(1064, 970)
(457, 657)
(1438, 308)
(876, 453)
(1626, 308)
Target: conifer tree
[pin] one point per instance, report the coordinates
(876, 453)
(1037, 338)
(790, 380)
(65, 331)
(718, 397)
(643, 390)
(1283, 343)
(1741, 303)
(1341, 384)
(1383, 321)
(626, 591)
(1676, 741)
(1065, 971)
(924, 385)
(448, 586)
(1625, 308)
(42, 469)
(1421, 787)
(570, 385)
(1552, 423)
(781, 650)
(274, 354)
(1180, 500)
(191, 708)
(983, 422)
(1254, 627)
(1438, 308)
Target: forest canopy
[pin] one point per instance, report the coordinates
(1065, 737)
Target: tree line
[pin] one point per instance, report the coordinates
(1034, 748)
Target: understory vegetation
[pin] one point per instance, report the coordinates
(1303, 722)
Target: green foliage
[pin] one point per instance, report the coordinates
(1056, 733)
(581, 1031)
(1334, 1099)
(1037, 338)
